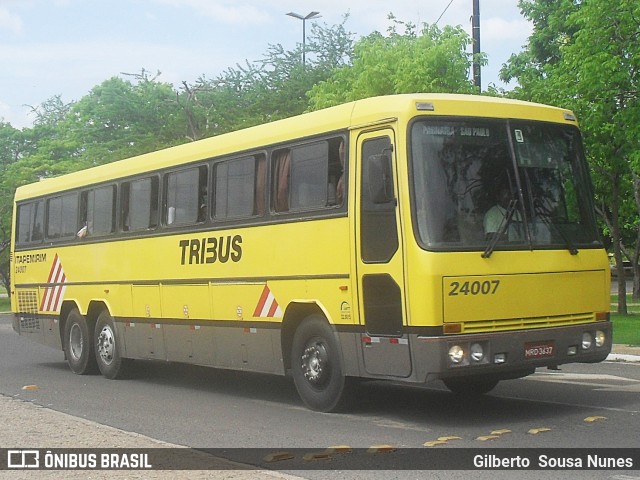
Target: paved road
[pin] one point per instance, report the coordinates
(205, 408)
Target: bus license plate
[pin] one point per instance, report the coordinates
(539, 350)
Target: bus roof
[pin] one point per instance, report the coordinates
(349, 115)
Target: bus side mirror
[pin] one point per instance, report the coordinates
(380, 179)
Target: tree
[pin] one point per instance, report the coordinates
(552, 30)
(269, 89)
(11, 147)
(431, 60)
(120, 119)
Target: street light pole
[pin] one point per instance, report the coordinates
(304, 19)
(475, 27)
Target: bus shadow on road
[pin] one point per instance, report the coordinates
(431, 404)
(251, 385)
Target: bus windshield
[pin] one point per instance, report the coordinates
(483, 184)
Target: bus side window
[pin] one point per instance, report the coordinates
(23, 225)
(259, 204)
(29, 225)
(239, 186)
(97, 211)
(281, 164)
(62, 216)
(337, 172)
(309, 176)
(186, 196)
(139, 204)
(125, 219)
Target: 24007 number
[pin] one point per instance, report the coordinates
(486, 287)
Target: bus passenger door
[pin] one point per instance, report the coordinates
(380, 258)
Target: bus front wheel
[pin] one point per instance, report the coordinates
(78, 344)
(317, 367)
(110, 363)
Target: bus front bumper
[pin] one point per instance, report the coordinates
(509, 354)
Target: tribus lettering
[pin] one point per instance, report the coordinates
(211, 250)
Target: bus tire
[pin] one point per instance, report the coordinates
(110, 363)
(470, 387)
(317, 367)
(78, 344)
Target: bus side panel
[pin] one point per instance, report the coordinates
(51, 332)
(145, 340)
(352, 355)
(247, 348)
(180, 342)
(185, 301)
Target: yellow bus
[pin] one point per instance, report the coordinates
(410, 238)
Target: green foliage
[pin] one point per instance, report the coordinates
(120, 119)
(552, 31)
(601, 64)
(431, 60)
(11, 146)
(626, 329)
(270, 89)
(5, 304)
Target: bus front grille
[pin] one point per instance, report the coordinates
(483, 326)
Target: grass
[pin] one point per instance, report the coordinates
(626, 329)
(5, 304)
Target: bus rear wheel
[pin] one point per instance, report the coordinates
(470, 386)
(317, 367)
(110, 363)
(78, 344)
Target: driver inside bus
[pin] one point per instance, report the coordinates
(496, 215)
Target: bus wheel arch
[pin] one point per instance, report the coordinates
(317, 366)
(293, 317)
(95, 308)
(77, 339)
(66, 308)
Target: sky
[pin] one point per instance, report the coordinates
(66, 47)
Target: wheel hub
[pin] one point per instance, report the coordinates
(315, 363)
(75, 341)
(106, 345)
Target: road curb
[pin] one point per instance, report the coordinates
(624, 353)
(621, 357)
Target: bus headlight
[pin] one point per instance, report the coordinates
(601, 338)
(456, 354)
(587, 340)
(477, 353)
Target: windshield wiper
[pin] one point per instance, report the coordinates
(504, 224)
(544, 215)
